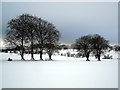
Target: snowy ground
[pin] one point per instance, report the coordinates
(63, 72)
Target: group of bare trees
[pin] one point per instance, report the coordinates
(27, 31)
(30, 32)
(94, 44)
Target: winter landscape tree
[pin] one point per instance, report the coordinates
(99, 44)
(16, 33)
(92, 43)
(31, 24)
(41, 35)
(53, 36)
(83, 45)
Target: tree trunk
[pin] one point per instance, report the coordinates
(98, 55)
(32, 52)
(41, 52)
(22, 50)
(22, 57)
(99, 58)
(50, 57)
(87, 56)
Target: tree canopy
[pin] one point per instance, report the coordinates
(92, 43)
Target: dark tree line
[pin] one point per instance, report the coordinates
(27, 30)
(95, 44)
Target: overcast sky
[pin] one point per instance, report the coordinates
(73, 20)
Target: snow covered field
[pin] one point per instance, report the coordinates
(63, 72)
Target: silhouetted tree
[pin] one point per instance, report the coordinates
(16, 33)
(83, 45)
(53, 36)
(41, 35)
(31, 24)
(99, 44)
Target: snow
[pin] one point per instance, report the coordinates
(62, 72)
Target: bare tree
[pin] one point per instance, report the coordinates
(31, 24)
(83, 45)
(41, 35)
(53, 36)
(16, 34)
(99, 44)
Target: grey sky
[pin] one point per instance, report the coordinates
(73, 20)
